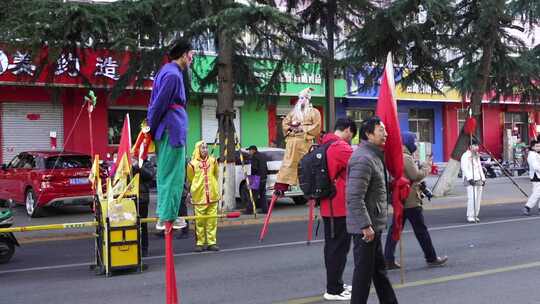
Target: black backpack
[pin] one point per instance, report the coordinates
(313, 174)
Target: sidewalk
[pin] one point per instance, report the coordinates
(497, 191)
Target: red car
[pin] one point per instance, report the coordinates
(40, 179)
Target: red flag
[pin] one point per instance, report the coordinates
(393, 151)
(125, 145)
(532, 128)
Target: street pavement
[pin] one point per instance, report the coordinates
(497, 191)
(495, 261)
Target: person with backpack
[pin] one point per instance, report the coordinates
(337, 241)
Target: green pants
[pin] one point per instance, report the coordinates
(171, 172)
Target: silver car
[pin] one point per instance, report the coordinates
(274, 157)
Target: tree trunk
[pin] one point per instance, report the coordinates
(225, 115)
(329, 69)
(445, 184)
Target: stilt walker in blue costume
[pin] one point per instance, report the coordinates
(168, 121)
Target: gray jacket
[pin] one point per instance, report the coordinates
(366, 189)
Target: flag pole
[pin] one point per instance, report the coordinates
(401, 261)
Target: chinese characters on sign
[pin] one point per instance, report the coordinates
(22, 64)
(3, 62)
(107, 67)
(68, 64)
(425, 89)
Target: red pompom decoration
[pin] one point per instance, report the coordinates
(470, 126)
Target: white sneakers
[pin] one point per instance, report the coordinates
(471, 219)
(160, 225)
(178, 223)
(344, 296)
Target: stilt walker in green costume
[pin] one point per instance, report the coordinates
(168, 122)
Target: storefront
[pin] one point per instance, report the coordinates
(504, 126)
(420, 110)
(37, 114)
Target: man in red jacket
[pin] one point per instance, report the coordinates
(333, 210)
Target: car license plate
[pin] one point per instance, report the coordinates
(78, 181)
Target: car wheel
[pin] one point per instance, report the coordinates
(30, 202)
(7, 249)
(299, 200)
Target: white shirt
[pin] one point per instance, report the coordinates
(533, 158)
(471, 167)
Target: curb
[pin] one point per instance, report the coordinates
(252, 221)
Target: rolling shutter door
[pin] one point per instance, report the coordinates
(27, 127)
(210, 122)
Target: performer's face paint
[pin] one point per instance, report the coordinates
(378, 137)
(474, 149)
(203, 150)
(536, 147)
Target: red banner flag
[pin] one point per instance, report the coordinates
(532, 128)
(393, 152)
(125, 145)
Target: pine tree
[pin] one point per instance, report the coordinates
(255, 45)
(467, 44)
(254, 42)
(331, 22)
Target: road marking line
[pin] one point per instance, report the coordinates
(277, 245)
(445, 279)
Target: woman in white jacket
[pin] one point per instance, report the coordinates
(474, 178)
(533, 158)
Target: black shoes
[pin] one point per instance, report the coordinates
(391, 265)
(213, 248)
(440, 261)
(203, 248)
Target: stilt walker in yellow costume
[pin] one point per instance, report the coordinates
(301, 126)
(202, 173)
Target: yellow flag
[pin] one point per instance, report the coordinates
(99, 189)
(132, 189)
(94, 171)
(123, 170)
(110, 195)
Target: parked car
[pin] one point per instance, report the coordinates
(274, 157)
(39, 179)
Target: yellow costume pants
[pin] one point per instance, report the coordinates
(206, 229)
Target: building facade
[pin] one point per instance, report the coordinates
(40, 113)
